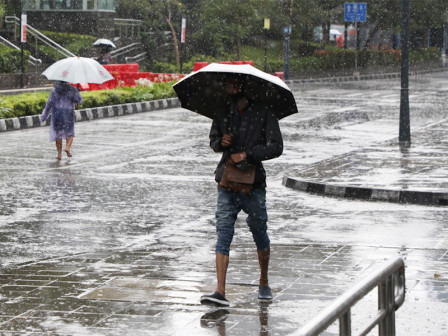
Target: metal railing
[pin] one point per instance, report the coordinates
(137, 58)
(126, 49)
(32, 60)
(390, 280)
(129, 27)
(38, 36)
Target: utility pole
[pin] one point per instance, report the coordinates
(286, 33)
(267, 25)
(23, 23)
(404, 132)
(183, 32)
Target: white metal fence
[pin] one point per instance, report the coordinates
(390, 280)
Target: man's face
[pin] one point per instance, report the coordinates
(233, 86)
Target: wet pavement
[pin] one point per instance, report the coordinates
(412, 174)
(119, 239)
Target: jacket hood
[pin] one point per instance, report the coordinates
(62, 87)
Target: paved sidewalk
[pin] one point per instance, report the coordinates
(136, 293)
(417, 174)
(128, 225)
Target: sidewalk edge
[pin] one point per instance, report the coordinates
(370, 194)
(20, 123)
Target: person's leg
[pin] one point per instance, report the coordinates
(226, 214)
(59, 148)
(222, 262)
(68, 144)
(254, 205)
(263, 260)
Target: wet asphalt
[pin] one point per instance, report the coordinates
(119, 239)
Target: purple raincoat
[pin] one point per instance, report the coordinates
(61, 105)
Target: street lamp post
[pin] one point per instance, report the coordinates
(23, 27)
(405, 124)
(183, 31)
(267, 25)
(287, 33)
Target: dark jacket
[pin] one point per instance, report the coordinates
(255, 131)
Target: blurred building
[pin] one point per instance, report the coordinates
(93, 17)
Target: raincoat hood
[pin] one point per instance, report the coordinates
(63, 88)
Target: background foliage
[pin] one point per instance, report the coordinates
(231, 29)
(11, 59)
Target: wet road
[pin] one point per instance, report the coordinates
(140, 188)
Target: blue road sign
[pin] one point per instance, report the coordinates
(355, 11)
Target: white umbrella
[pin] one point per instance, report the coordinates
(203, 90)
(104, 42)
(78, 70)
(335, 32)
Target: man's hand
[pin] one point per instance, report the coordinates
(227, 140)
(238, 157)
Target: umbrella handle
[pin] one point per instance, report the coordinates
(77, 105)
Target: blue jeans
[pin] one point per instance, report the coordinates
(230, 203)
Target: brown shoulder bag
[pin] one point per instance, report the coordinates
(236, 179)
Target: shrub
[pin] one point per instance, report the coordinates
(75, 43)
(11, 59)
(272, 66)
(424, 55)
(306, 64)
(23, 104)
(334, 58)
(164, 67)
(305, 48)
(5, 112)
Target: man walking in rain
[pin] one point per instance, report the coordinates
(246, 132)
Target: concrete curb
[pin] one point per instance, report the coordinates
(20, 123)
(371, 194)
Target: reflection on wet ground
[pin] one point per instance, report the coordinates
(119, 239)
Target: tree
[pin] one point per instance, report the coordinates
(14, 7)
(228, 22)
(155, 13)
(422, 20)
(215, 27)
(168, 9)
(329, 10)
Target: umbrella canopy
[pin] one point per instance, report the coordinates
(104, 42)
(203, 91)
(77, 70)
(335, 32)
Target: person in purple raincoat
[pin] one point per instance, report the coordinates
(61, 105)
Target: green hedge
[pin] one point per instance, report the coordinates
(307, 57)
(337, 58)
(33, 103)
(11, 59)
(75, 43)
(424, 55)
(305, 48)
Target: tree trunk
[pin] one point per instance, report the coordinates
(175, 41)
(325, 34)
(238, 48)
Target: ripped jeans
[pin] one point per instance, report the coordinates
(230, 203)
